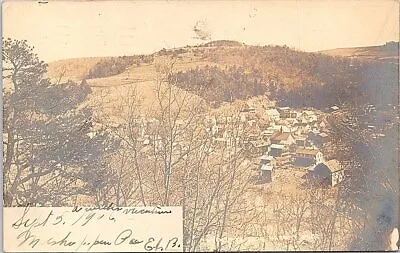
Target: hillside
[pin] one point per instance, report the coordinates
(74, 69)
(224, 71)
(387, 52)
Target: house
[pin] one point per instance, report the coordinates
(263, 121)
(307, 157)
(330, 172)
(323, 124)
(307, 117)
(302, 121)
(214, 130)
(266, 159)
(248, 108)
(292, 121)
(155, 140)
(298, 131)
(333, 108)
(146, 140)
(221, 120)
(294, 129)
(317, 137)
(279, 128)
(370, 108)
(305, 129)
(211, 126)
(307, 113)
(312, 118)
(276, 150)
(283, 139)
(272, 114)
(267, 133)
(243, 117)
(257, 147)
(220, 142)
(212, 120)
(266, 169)
(324, 137)
(300, 141)
(251, 137)
(286, 112)
(269, 104)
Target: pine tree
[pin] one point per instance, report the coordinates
(49, 155)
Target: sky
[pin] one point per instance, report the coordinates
(71, 29)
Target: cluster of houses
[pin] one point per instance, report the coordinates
(276, 137)
(280, 138)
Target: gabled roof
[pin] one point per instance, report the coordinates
(292, 120)
(280, 136)
(267, 132)
(266, 167)
(272, 112)
(323, 135)
(308, 112)
(284, 128)
(277, 146)
(304, 151)
(333, 165)
(267, 157)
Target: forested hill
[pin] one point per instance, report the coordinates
(292, 77)
(223, 71)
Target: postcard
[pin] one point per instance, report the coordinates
(135, 126)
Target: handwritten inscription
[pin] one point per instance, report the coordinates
(92, 229)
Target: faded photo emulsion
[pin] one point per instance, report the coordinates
(135, 126)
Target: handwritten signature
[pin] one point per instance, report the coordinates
(71, 238)
(125, 237)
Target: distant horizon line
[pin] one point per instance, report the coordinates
(221, 40)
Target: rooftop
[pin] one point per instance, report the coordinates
(308, 112)
(267, 157)
(323, 135)
(277, 146)
(272, 111)
(333, 165)
(266, 167)
(304, 151)
(280, 136)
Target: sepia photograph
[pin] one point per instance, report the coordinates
(195, 126)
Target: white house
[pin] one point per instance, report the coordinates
(307, 157)
(330, 172)
(272, 114)
(276, 150)
(266, 169)
(283, 139)
(279, 128)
